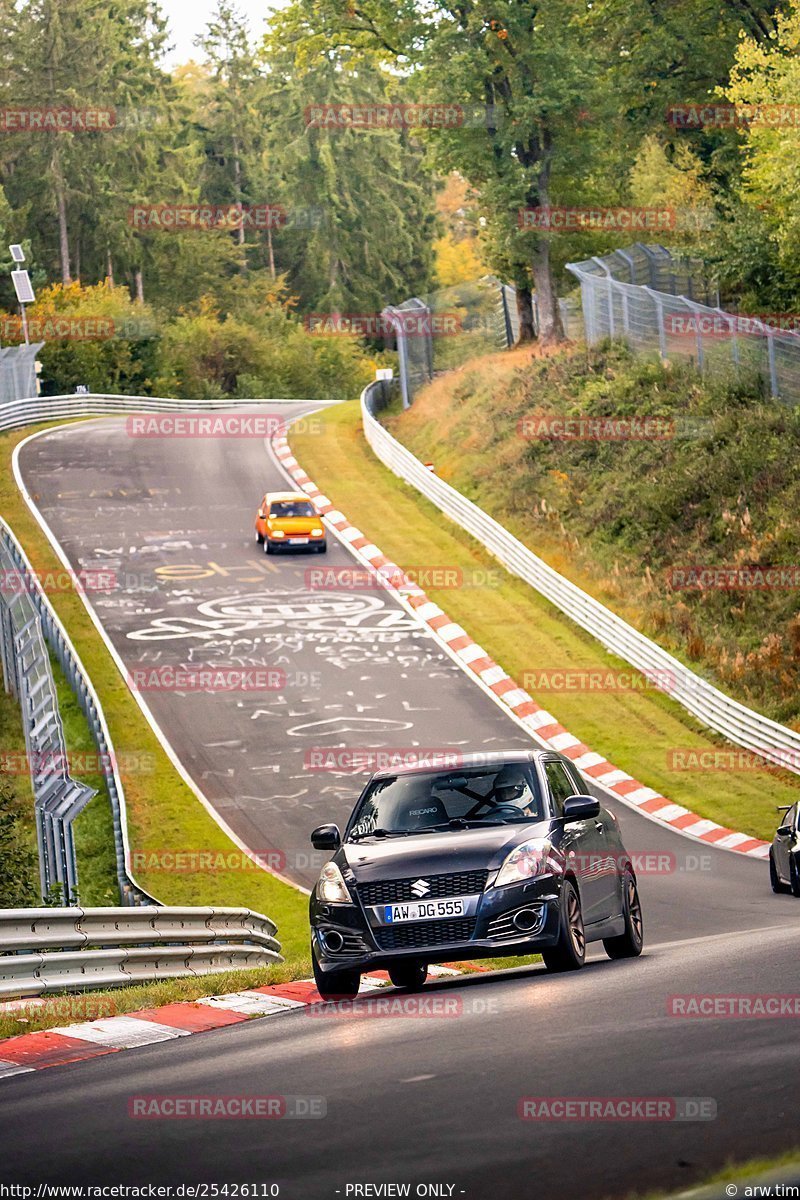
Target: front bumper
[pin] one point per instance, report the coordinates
(350, 935)
(286, 542)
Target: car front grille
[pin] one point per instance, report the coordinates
(393, 891)
(424, 934)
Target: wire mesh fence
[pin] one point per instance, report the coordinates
(18, 371)
(446, 328)
(669, 306)
(29, 631)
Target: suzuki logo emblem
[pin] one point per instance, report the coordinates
(420, 888)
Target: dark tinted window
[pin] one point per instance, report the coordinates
(291, 508)
(560, 785)
(431, 800)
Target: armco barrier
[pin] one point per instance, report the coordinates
(45, 950)
(719, 712)
(17, 414)
(79, 928)
(26, 671)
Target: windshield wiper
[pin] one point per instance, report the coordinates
(379, 833)
(459, 823)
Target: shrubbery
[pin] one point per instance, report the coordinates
(99, 338)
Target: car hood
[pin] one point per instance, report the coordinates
(436, 853)
(295, 524)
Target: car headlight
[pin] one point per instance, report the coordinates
(529, 861)
(317, 532)
(277, 533)
(331, 887)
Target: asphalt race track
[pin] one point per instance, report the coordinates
(431, 1100)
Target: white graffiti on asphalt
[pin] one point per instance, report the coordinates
(336, 613)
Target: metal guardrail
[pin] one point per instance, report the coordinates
(58, 798)
(28, 625)
(719, 712)
(59, 805)
(62, 949)
(18, 413)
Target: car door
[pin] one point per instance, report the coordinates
(585, 841)
(783, 841)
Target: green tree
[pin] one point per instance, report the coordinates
(361, 218)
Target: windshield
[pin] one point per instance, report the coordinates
(441, 800)
(291, 508)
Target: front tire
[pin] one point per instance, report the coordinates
(774, 879)
(629, 943)
(569, 952)
(336, 985)
(410, 976)
(268, 547)
(259, 538)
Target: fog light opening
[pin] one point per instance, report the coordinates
(527, 919)
(332, 941)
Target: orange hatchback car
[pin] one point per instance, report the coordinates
(289, 519)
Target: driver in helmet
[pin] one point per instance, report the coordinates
(512, 790)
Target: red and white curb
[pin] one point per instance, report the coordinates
(541, 724)
(89, 1039)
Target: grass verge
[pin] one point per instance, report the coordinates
(19, 869)
(164, 815)
(753, 1172)
(637, 730)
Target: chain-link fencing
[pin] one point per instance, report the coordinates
(669, 306)
(18, 371)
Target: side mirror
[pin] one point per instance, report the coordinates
(261, 514)
(784, 830)
(326, 837)
(581, 808)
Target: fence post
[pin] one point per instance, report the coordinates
(662, 333)
(773, 369)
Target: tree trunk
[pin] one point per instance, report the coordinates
(527, 328)
(109, 268)
(139, 284)
(270, 251)
(237, 183)
(61, 207)
(551, 331)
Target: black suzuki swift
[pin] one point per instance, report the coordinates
(502, 855)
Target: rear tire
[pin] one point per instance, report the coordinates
(336, 985)
(774, 879)
(794, 876)
(629, 943)
(569, 952)
(410, 976)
